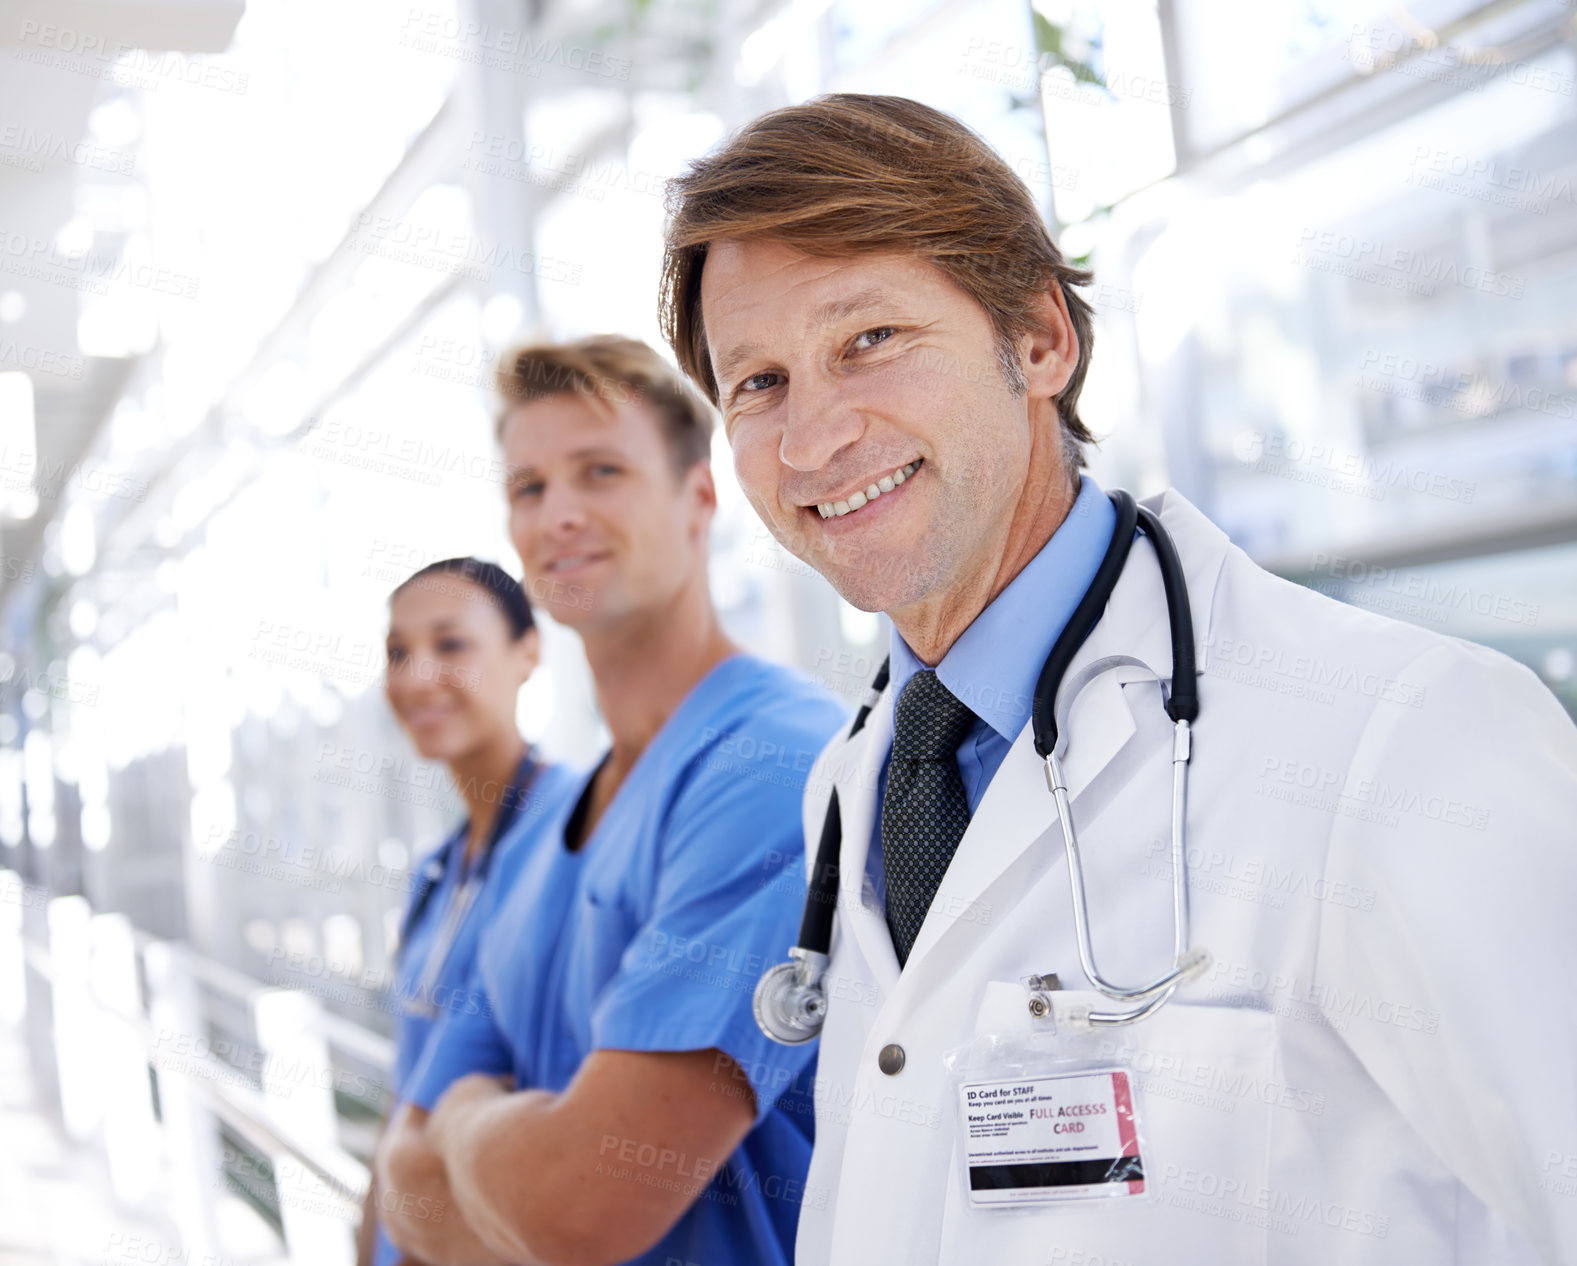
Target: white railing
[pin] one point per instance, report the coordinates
(105, 1038)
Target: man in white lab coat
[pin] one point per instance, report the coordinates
(1376, 1066)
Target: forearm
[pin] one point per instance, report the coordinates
(533, 1173)
(418, 1208)
(478, 1142)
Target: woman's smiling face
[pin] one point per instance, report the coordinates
(454, 670)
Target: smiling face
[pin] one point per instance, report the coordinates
(604, 527)
(454, 671)
(873, 426)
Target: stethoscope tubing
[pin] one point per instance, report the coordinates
(795, 987)
(457, 909)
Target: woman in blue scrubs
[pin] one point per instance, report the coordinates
(461, 643)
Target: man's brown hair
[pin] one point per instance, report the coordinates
(610, 370)
(850, 174)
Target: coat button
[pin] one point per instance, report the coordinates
(891, 1059)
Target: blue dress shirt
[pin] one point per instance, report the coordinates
(994, 665)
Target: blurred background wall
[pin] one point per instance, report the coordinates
(258, 260)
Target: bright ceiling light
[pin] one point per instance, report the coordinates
(501, 318)
(77, 543)
(116, 123)
(75, 236)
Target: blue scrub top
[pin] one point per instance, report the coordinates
(454, 989)
(652, 935)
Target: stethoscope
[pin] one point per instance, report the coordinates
(420, 1000)
(790, 1003)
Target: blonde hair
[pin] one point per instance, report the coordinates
(610, 370)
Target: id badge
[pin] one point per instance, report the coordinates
(1040, 1139)
(1044, 1115)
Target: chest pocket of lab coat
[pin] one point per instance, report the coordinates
(1200, 1076)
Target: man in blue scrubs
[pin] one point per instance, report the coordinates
(617, 1102)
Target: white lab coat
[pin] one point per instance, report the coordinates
(1381, 1064)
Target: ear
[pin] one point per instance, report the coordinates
(701, 496)
(1050, 352)
(528, 653)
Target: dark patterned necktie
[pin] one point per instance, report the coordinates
(924, 809)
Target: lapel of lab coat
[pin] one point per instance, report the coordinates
(1014, 830)
(855, 775)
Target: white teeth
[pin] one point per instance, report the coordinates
(837, 509)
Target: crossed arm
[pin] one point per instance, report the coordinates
(595, 1175)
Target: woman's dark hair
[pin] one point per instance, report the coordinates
(498, 584)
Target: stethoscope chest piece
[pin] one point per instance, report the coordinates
(789, 1002)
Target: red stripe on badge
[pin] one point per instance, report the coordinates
(1127, 1132)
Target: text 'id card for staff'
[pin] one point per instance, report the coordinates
(1033, 1139)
